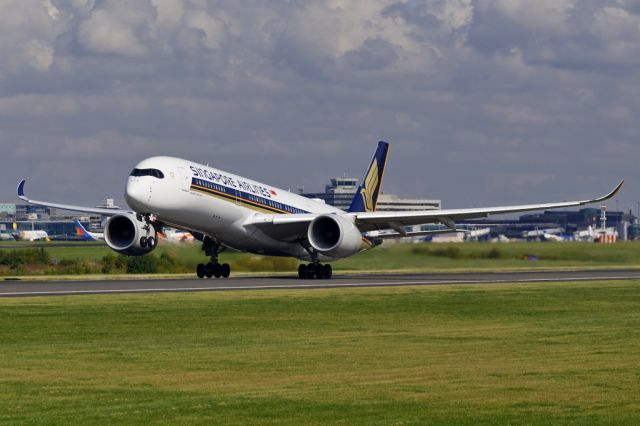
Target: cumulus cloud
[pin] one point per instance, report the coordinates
(28, 30)
(484, 101)
(106, 33)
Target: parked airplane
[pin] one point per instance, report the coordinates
(32, 235)
(224, 210)
(6, 237)
(86, 235)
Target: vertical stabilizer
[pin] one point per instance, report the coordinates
(366, 199)
(82, 232)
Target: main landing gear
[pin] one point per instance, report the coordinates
(213, 268)
(314, 270)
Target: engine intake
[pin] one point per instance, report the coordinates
(335, 236)
(126, 234)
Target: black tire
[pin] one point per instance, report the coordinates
(226, 270)
(302, 272)
(319, 271)
(217, 270)
(151, 242)
(327, 271)
(311, 271)
(143, 242)
(209, 270)
(200, 270)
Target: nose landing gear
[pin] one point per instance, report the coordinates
(213, 268)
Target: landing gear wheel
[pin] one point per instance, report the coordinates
(143, 242)
(319, 271)
(209, 270)
(302, 272)
(327, 271)
(311, 271)
(151, 242)
(200, 270)
(225, 270)
(217, 270)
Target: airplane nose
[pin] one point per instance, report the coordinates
(136, 195)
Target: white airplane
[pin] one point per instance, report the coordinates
(82, 232)
(224, 210)
(538, 233)
(6, 237)
(31, 236)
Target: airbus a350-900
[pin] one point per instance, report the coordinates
(224, 210)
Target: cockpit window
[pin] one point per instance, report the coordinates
(147, 172)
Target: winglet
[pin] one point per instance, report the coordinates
(611, 194)
(21, 190)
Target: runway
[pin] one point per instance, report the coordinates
(67, 288)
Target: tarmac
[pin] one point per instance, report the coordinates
(68, 288)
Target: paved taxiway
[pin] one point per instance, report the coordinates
(64, 288)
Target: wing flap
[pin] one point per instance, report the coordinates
(391, 235)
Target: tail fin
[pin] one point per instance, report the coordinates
(82, 232)
(366, 199)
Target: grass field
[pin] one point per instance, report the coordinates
(401, 257)
(495, 354)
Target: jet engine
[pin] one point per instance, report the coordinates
(129, 235)
(334, 235)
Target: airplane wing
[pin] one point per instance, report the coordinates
(383, 220)
(94, 210)
(294, 226)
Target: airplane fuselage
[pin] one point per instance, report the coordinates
(200, 198)
(31, 236)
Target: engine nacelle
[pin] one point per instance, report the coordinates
(335, 236)
(127, 235)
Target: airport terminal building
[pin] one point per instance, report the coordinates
(340, 191)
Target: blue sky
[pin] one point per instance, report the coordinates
(483, 102)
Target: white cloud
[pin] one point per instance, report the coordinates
(308, 87)
(213, 28)
(104, 33)
(169, 13)
(28, 31)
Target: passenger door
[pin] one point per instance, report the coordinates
(184, 178)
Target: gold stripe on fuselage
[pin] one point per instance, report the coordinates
(232, 199)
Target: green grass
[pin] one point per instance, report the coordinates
(391, 258)
(496, 354)
(478, 256)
